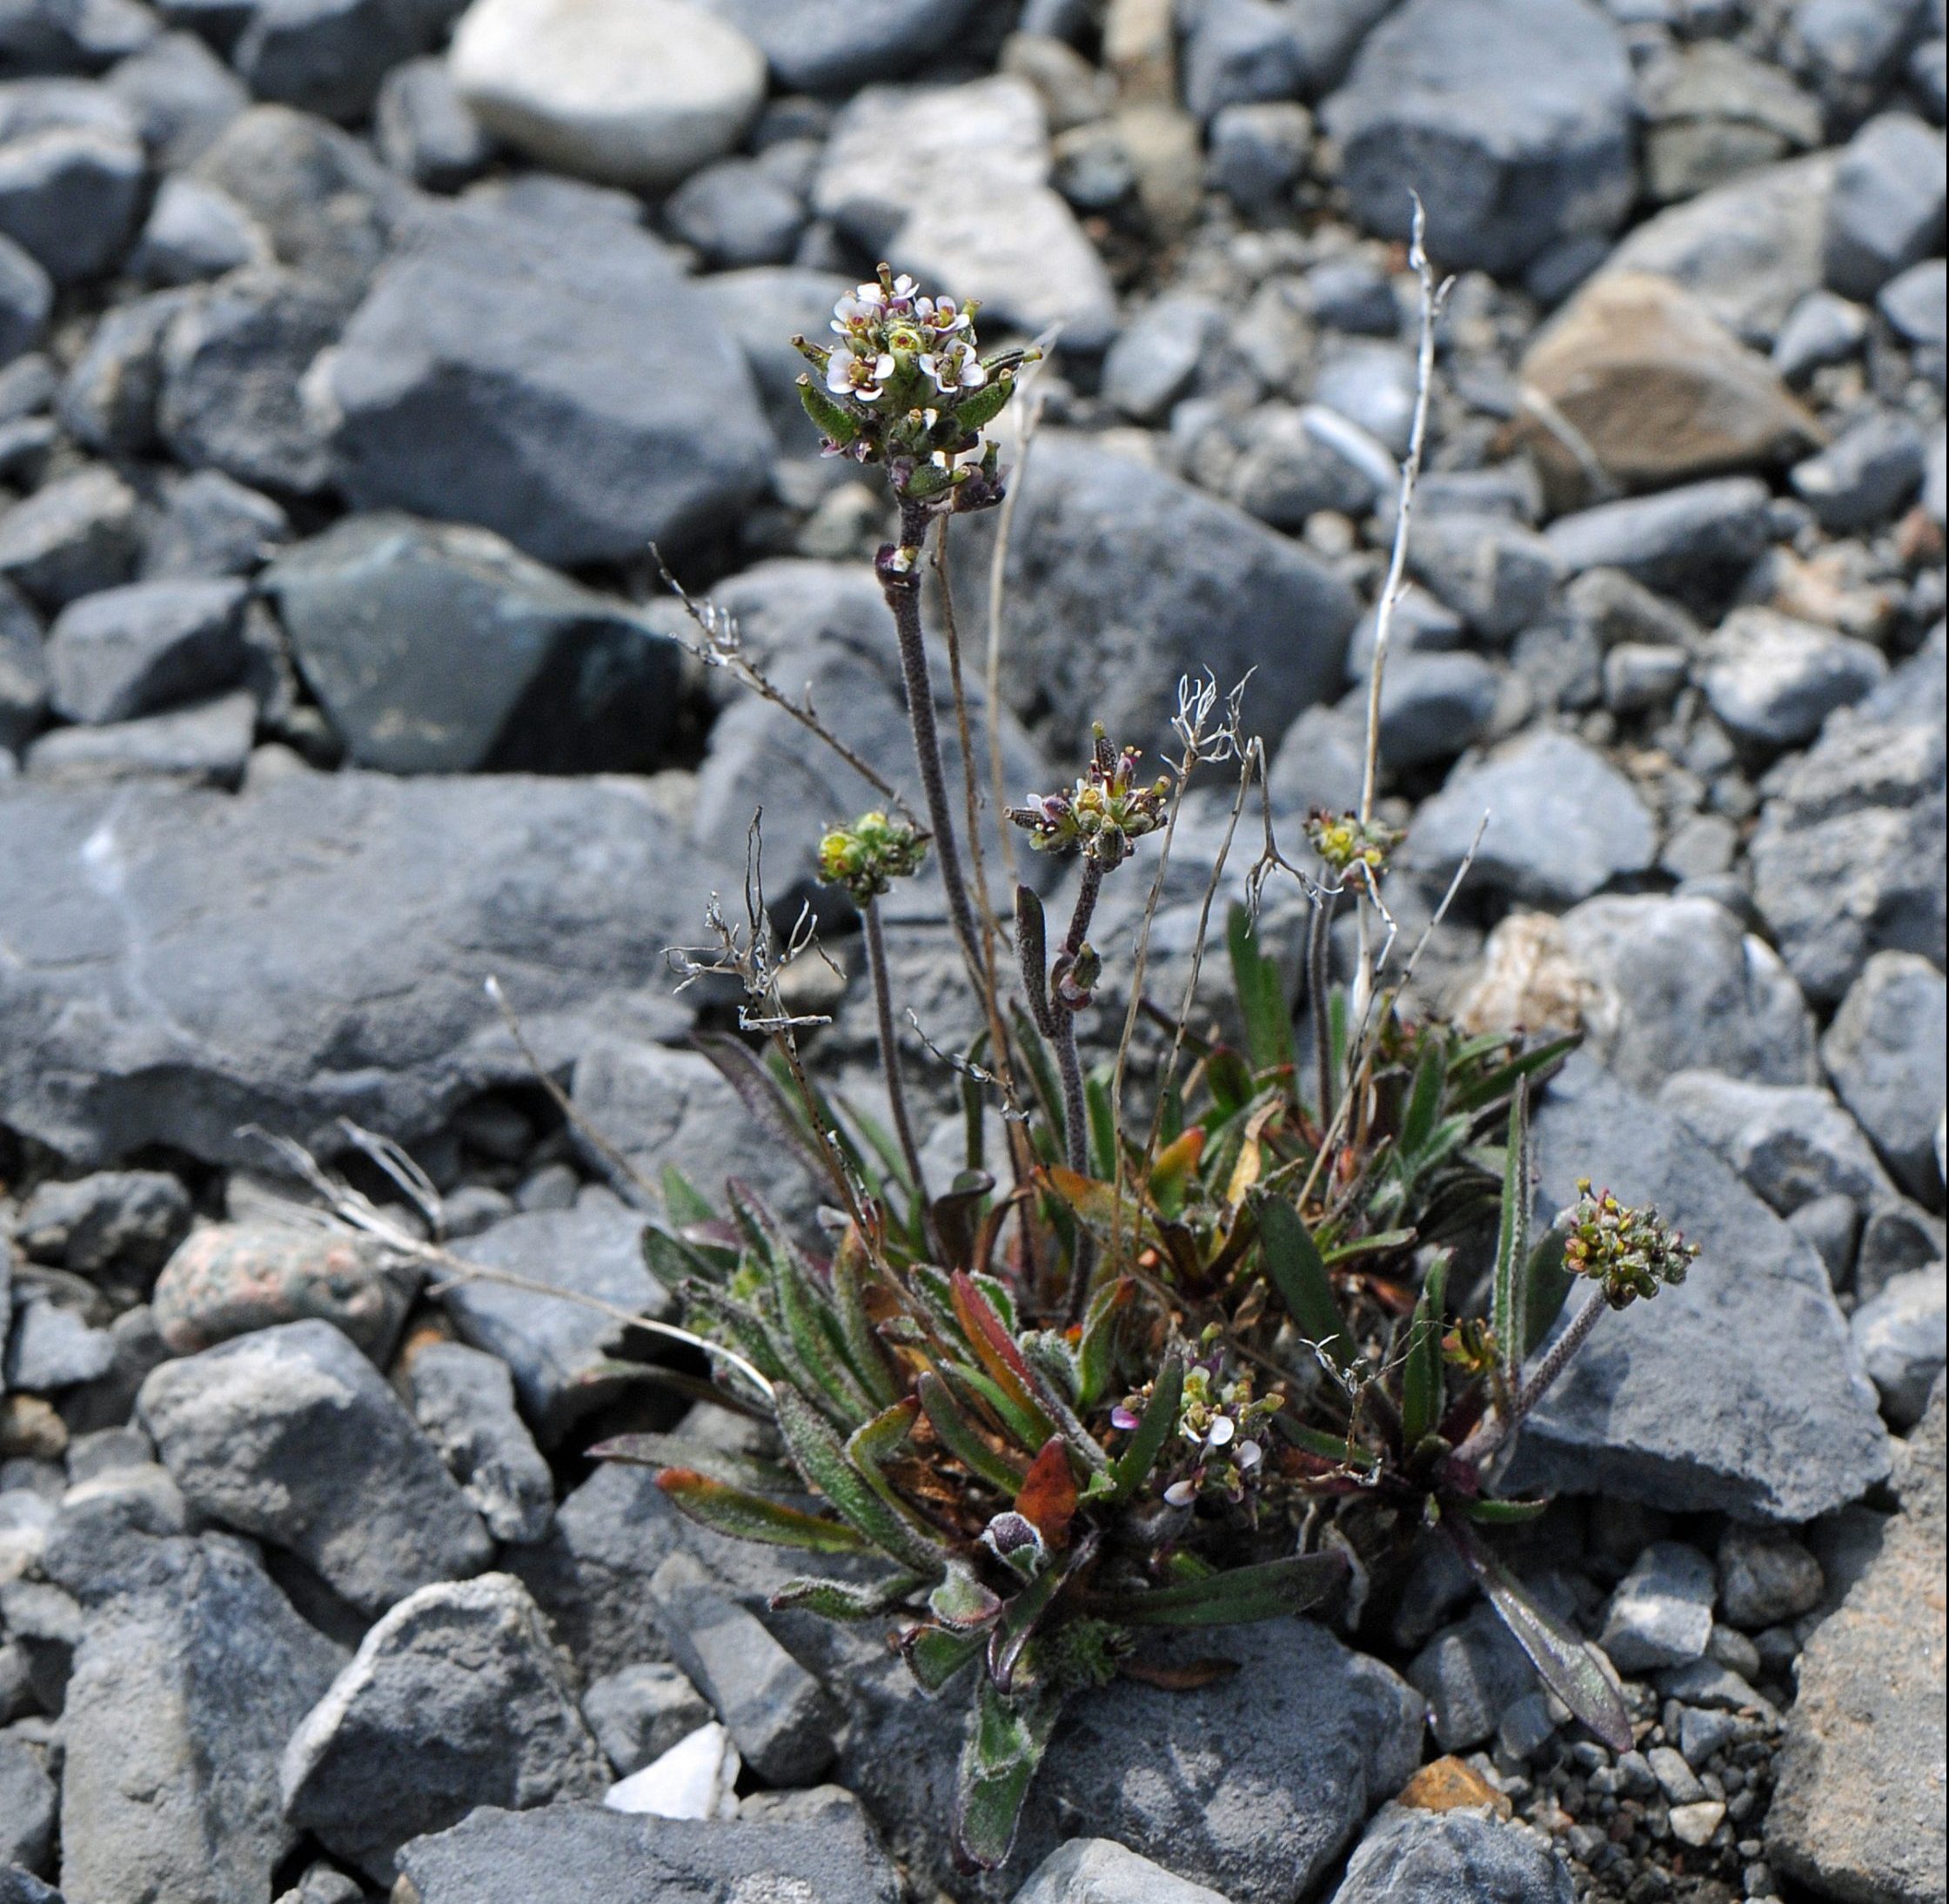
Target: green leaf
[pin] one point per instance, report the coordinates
(1489, 1513)
(1102, 1126)
(680, 1451)
(751, 1516)
(1567, 1665)
(827, 415)
(1006, 1740)
(1317, 1442)
(983, 406)
(1099, 1338)
(1424, 1100)
(960, 1438)
(1028, 1610)
(863, 1353)
(960, 1602)
(1422, 1385)
(934, 1655)
(844, 1600)
(1270, 1589)
(1261, 996)
(1297, 1270)
(1550, 1284)
(1508, 1309)
(818, 1456)
(1492, 1085)
(1028, 1430)
(1373, 1245)
(1132, 1468)
(682, 1201)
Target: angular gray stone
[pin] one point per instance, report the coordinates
(497, 1857)
(1886, 212)
(464, 1399)
(1898, 1237)
(1847, 858)
(1496, 574)
(1471, 1674)
(1913, 303)
(72, 536)
(292, 1435)
(835, 45)
(1765, 1578)
(1791, 1143)
(1865, 475)
(553, 1346)
(53, 1347)
(1820, 330)
(26, 298)
(1884, 1053)
(180, 94)
(394, 899)
(638, 1713)
(1157, 354)
(1101, 1871)
(558, 679)
(1512, 118)
(108, 402)
(134, 650)
(1772, 681)
(1680, 1401)
(329, 56)
(1454, 1857)
(19, 1887)
(1899, 1332)
(23, 669)
(195, 231)
(423, 129)
(778, 1715)
(563, 385)
(1716, 112)
(28, 1803)
(183, 1695)
(126, 1219)
(1693, 542)
(205, 744)
(1661, 1615)
(456, 1698)
(1121, 579)
(763, 308)
(1561, 822)
(1855, 1813)
(212, 525)
(69, 197)
(1434, 706)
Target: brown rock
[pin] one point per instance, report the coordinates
(1449, 1785)
(1636, 377)
(228, 1279)
(1858, 1812)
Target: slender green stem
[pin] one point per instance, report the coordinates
(1075, 1111)
(889, 1050)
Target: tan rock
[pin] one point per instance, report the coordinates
(1526, 979)
(1638, 377)
(1450, 1785)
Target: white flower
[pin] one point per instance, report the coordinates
(955, 366)
(849, 373)
(1248, 1456)
(942, 316)
(1181, 1493)
(1222, 1430)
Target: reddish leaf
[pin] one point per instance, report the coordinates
(1191, 1676)
(1048, 1495)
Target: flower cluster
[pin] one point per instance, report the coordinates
(1103, 813)
(905, 385)
(1342, 841)
(867, 857)
(1631, 1253)
(1222, 1423)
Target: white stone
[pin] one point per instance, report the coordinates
(697, 1778)
(634, 92)
(951, 183)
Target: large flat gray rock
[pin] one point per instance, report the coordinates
(175, 965)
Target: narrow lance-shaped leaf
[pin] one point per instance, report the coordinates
(1026, 1612)
(827, 415)
(850, 1268)
(1424, 1100)
(1006, 1740)
(649, 1451)
(1565, 1663)
(934, 1655)
(844, 1600)
(1048, 1496)
(1262, 995)
(818, 1456)
(1422, 1397)
(958, 1435)
(1293, 1262)
(1268, 1590)
(1133, 1466)
(995, 1348)
(870, 1447)
(1512, 1242)
(1550, 1284)
(751, 1516)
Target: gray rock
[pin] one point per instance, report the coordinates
(1791, 1143)
(115, 1219)
(1471, 1674)
(204, 745)
(423, 129)
(497, 1857)
(778, 1715)
(1562, 821)
(638, 1713)
(180, 94)
(1772, 681)
(1884, 1052)
(1256, 153)
(1021, 254)
(194, 232)
(394, 899)
(1693, 542)
(1371, 384)
(1748, 250)
(554, 1346)
(834, 46)
(329, 56)
(1765, 1578)
(69, 197)
(763, 308)
(1239, 52)
(1454, 1857)
(76, 535)
(26, 298)
(1512, 118)
(23, 669)
(1897, 1236)
(1496, 574)
(184, 1693)
(1855, 1811)
(1292, 467)
(27, 1801)
(1899, 1332)
(1886, 213)
(559, 679)
(211, 524)
(292, 1435)
(1640, 676)
(1847, 858)
(1677, 1401)
(1120, 579)
(1661, 1615)
(234, 364)
(1420, 626)
(562, 386)
(109, 400)
(123, 652)
(1433, 705)
(1101, 1871)
(1820, 330)
(1855, 47)
(1865, 475)
(1914, 302)
(1158, 354)
(736, 213)
(456, 1698)
(53, 1347)
(1714, 111)
(464, 1399)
